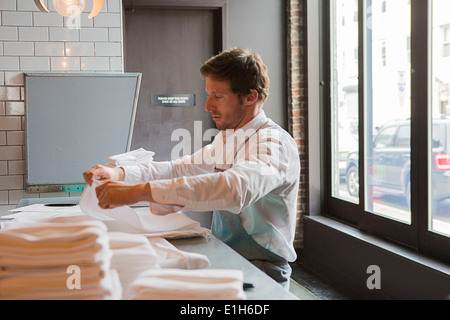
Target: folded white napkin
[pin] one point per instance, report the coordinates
(61, 241)
(140, 220)
(133, 157)
(108, 288)
(176, 284)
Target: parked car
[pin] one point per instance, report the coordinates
(391, 161)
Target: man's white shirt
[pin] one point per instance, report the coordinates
(253, 171)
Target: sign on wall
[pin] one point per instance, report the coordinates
(173, 100)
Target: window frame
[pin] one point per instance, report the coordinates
(416, 235)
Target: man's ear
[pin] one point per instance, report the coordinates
(252, 97)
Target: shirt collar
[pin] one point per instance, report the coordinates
(256, 122)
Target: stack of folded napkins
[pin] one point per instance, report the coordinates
(63, 258)
(134, 254)
(178, 284)
(154, 269)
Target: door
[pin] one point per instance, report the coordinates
(168, 45)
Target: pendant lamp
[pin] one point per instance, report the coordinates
(71, 8)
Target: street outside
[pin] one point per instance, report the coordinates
(395, 207)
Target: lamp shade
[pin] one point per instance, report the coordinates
(69, 8)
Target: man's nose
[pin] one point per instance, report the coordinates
(209, 105)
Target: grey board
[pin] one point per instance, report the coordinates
(74, 121)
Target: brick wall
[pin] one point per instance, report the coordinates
(297, 100)
(31, 40)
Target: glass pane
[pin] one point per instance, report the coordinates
(440, 110)
(344, 97)
(388, 108)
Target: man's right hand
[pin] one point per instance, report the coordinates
(103, 173)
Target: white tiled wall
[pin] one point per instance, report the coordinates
(31, 40)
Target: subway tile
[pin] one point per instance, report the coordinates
(8, 33)
(11, 123)
(108, 49)
(65, 63)
(18, 48)
(3, 168)
(50, 19)
(33, 34)
(13, 93)
(16, 195)
(14, 78)
(3, 93)
(2, 78)
(63, 34)
(79, 49)
(8, 5)
(16, 166)
(9, 63)
(49, 49)
(16, 18)
(94, 34)
(108, 20)
(1, 49)
(11, 182)
(10, 93)
(15, 108)
(34, 63)
(2, 108)
(95, 63)
(116, 64)
(27, 5)
(2, 138)
(114, 5)
(15, 138)
(11, 153)
(3, 197)
(115, 34)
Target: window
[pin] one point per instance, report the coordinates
(439, 121)
(344, 95)
(389, 139)
(446, 41)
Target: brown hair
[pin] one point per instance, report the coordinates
(244, 70)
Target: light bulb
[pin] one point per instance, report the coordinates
(69, 8)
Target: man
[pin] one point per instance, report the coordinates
(248, 176)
